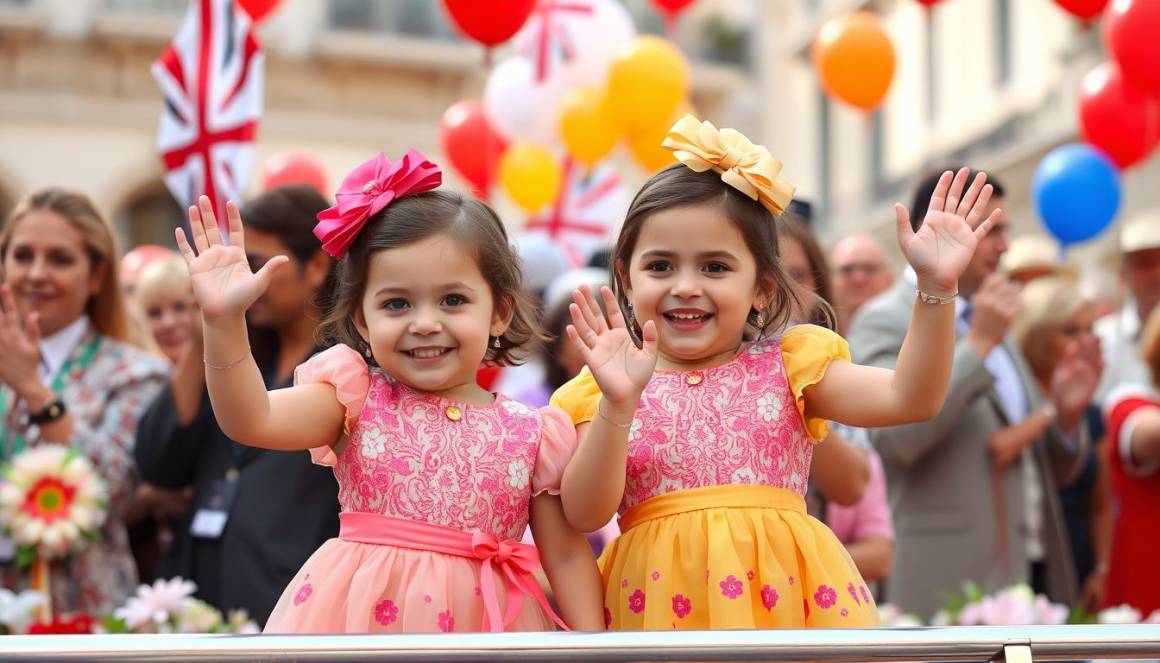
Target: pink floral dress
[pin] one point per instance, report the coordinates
(419, 462)
(715, 529)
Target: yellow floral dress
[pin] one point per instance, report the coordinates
(715, 533)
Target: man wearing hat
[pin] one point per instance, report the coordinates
(1120, 332)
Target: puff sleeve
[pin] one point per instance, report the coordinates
(346, 370)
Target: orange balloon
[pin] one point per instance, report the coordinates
(855, 59)
(645, 146)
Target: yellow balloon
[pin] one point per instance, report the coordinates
(586, 125)
(646, 149)
(646, 82)
(530, 175)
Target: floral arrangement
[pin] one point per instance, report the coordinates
(51, 502)
(18, 611)
(168, 606)
(1014, 606)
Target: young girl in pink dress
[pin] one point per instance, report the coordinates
(438, 478)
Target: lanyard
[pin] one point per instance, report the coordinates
(12, 443)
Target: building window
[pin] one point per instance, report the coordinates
(149, 217)
(1003, 42)
(413, 18)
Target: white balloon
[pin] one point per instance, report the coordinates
(518, 106)
(581, 44)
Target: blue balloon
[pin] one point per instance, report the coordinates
(1077, 192)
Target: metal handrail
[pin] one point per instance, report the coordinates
(1015, 644)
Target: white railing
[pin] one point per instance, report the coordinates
(1011, 644)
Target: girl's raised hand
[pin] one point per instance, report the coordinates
(222, 279)
(621, 369)
(943, 246)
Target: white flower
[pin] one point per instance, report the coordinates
(197, 616)
(892, 616)
(743, 475)
(941, 618)
(516, 407)
(51, 499)
(17, 611)
(518, 474)
(157, 603)
(374, 443)
(634, 430)
(1121, 614)
(239, 622)
(769, 407)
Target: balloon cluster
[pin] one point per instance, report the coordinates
(581, 82)
(1077, 186)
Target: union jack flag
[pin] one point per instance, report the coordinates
(589, 209)
(211, 78)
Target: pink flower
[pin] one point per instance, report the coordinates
(656, 575)
(731, 587)
(844, 612)
(853, 593)
(682, 606)
(768, 597)
(749, 575)
(478, 591)
(624, 583)
(826, 596)
(1047, 612)
(636, 601)
(607, 618)
(386, 612)
(446, 621)
(866, 598)
(427, 599)
(304, 593)
(791, 580)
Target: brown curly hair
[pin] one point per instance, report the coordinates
(414, 218)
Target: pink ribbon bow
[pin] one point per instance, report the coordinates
(368, 189)
(517, 563)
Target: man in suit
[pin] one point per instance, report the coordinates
(256, 514)
(968, 503)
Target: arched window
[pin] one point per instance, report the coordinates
(148, 216)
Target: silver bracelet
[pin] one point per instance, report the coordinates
(600, 413)
(226, 367)
(927, 298)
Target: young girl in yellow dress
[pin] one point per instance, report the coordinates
(701, 436)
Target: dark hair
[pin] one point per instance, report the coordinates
(680, 186)
(415, 218)
(925, 191)
(820, 312)
(290, 214)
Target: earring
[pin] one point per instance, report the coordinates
(760, 321)
(367, 352)
(496, 344)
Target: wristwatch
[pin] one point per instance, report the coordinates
(48, 414)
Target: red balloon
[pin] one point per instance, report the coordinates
(471, 144)
(1085, 9)
(1116, 117)
(490, 22)
(671, 7)
(1130, 30)
(258, 9)
(294, 168)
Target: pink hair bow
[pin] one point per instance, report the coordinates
(367, 190)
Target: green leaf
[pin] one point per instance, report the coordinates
(25, 557)
(114, 624)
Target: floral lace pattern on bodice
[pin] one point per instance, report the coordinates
(468, 467)
(737, 423)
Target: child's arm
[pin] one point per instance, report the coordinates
(569, 564)
(291, 419)
(939, 252)
(593, 483)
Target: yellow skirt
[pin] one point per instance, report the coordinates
(732, 556)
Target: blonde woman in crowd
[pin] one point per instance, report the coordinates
(73, 373)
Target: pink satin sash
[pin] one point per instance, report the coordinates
(515, 561)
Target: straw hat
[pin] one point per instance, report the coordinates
(1032, 252)
(1141, 233)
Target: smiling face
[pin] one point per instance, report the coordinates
(50, 270)
(693, 275)
(428, 315)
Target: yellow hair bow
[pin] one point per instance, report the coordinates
(744, 166)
